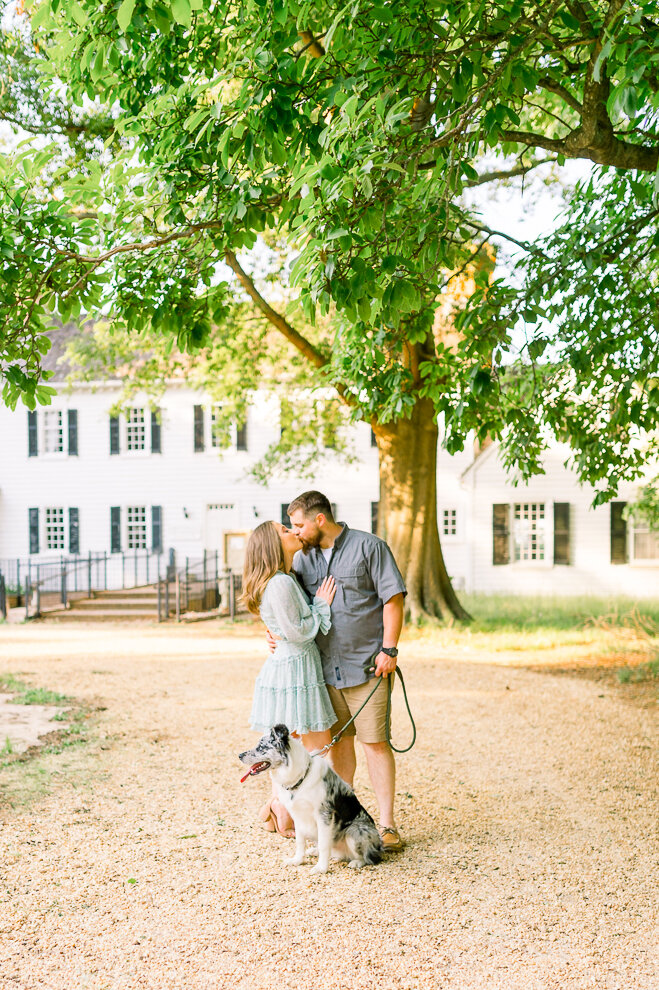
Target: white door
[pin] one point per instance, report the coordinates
(235, 545)
(221, 518)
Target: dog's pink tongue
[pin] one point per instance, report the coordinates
(254, 769)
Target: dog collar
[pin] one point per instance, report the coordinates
(301, 780)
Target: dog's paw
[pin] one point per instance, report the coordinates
(319, 868)
(294, 861)
(356, 864)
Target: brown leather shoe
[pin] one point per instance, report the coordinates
(391, 840)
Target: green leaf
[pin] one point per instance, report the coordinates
(78, 14)
(99, 63)
(601, 58)
(125, 14)
(41, 17)
(182, 12)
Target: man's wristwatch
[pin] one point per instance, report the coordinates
(391, 651)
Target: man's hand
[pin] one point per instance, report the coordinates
(384, 665)
(270, 640)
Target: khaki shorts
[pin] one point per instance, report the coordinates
(371, 725)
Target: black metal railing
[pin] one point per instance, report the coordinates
(198, 585)
(56, 581)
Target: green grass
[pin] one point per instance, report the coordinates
(26, 695)
(495, 613)
(557, 630)
(24, 773)
(643, 673)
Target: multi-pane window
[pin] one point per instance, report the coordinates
(53, 432)
(217, 427)
(646, 543)
(135, 430)
(55, 539)
(222, 433)
(449, 522)
(529, 531)
(136, 527)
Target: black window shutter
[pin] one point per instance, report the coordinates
(501, 533)
(115, 529)
(618, 533)
(73, 432)
(285, 518)
(32, 436)
(34, 530)
(241, 437)
(156, 528)
(562, 533)
(374, 516)
(74, 531)
(114, 434)
(198, 428)
(155, 432)
(374, 441)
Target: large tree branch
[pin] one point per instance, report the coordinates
(613, 151)
(594, 138)
(554, 87)
(311, 353)
(305, 347)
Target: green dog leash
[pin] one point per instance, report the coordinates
(379, 681)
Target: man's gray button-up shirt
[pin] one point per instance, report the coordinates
(367, 577)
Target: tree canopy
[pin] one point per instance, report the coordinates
(182, 131)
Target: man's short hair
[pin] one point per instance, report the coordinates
(311, 504)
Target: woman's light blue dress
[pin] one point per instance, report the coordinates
(290, 688)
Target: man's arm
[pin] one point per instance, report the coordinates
(392, 617)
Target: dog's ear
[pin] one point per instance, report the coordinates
(280, 736)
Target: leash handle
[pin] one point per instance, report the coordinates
(409, 712)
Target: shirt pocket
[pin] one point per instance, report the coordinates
(355, 583)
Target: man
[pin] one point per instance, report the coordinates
(367, 617)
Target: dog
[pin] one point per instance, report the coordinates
(324, 808)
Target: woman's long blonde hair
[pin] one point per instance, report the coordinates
(264, 556)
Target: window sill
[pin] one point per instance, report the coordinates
(532, 565)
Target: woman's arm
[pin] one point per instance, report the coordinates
(298, 621)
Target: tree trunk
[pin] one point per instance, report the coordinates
(407, 515)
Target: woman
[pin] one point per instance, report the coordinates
(290, 688)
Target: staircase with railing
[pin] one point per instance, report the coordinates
(199, 586)
(137, 585)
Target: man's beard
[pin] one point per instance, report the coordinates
(308, 545)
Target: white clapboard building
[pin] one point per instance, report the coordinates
(76, 480)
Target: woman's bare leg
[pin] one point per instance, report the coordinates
(316, 740)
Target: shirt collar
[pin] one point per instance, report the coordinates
(342, 535)
(338, 541)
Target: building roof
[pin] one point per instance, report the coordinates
(54, 360)
(60, 335)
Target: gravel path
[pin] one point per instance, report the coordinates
(529, 805)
